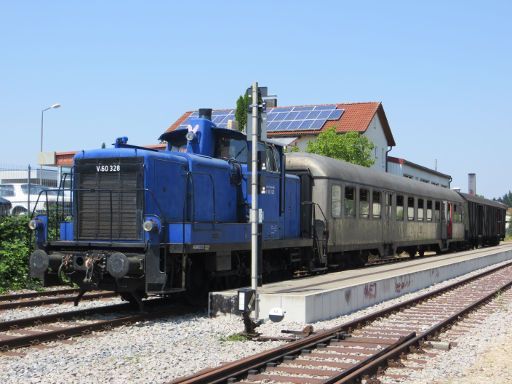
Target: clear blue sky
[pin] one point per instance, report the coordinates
(443, 71)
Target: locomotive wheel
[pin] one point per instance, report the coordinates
(134, 298)
(198, 283)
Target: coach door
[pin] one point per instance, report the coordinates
(387, 227)
(444, 224)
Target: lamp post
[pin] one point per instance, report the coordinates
(56, 105)
(53, 106)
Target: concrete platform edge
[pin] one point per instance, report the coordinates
(338, 302)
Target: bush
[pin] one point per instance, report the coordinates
(15, 249)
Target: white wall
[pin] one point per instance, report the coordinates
(375, 133)
(418, 174)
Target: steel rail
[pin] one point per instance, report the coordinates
(55, 300)
(372, 366)
(8, 342)
(256, 362)
(30, 295)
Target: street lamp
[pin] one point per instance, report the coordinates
(53, 106)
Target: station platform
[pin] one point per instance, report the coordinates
(323, 297)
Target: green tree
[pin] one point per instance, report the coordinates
(351, 147)
(506, 199)
(242, 104)
(15, 248)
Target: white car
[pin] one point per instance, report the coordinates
(18, 195)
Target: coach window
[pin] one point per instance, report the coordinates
(389, 205)
(336, 200)
(456, 213)
(437, 211)
(350, 208)
(420, 209)
(376, 205)
(364, 203)
(410, 208)
(429, 210)
(399, 208)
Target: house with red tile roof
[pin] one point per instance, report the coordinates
(291, 125)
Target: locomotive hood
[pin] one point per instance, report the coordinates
(198, 135)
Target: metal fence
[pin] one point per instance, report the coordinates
(23, 186)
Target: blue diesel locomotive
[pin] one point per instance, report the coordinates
(157, 222)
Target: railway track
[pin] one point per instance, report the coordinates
(35, 330)
(35, 299)
(365, 346)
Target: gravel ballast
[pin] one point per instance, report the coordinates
(159, 351)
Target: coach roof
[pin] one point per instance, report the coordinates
(325, 167)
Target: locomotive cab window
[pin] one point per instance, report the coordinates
(429, 210)
(364, 203)
(399, 208)
(420, 209)
(230, 148)
(336, 201)
(178, 143)
(271, 163)
(410, 208)
(350, 208)
(376, 205)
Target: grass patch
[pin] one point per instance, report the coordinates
(235, 337)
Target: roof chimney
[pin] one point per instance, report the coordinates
(472, 184)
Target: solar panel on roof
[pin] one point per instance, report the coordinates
(307, 108)
(317, 124)
(282, 109)
(336, 114)
(311, 117)
(325, 107)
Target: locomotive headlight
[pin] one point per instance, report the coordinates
(33, 224)
(149, 225)
(190, 136)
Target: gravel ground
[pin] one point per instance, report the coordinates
(20, 313)
(158, 351)
(481, 356)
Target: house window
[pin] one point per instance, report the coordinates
(350, 208)
(399, 208)
(376, 205)
(364, 203)
(420, 209)
(410, 208)
(336, 200)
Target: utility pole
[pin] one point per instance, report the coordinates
(254, 199)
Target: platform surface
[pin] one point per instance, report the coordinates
(326, 296)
